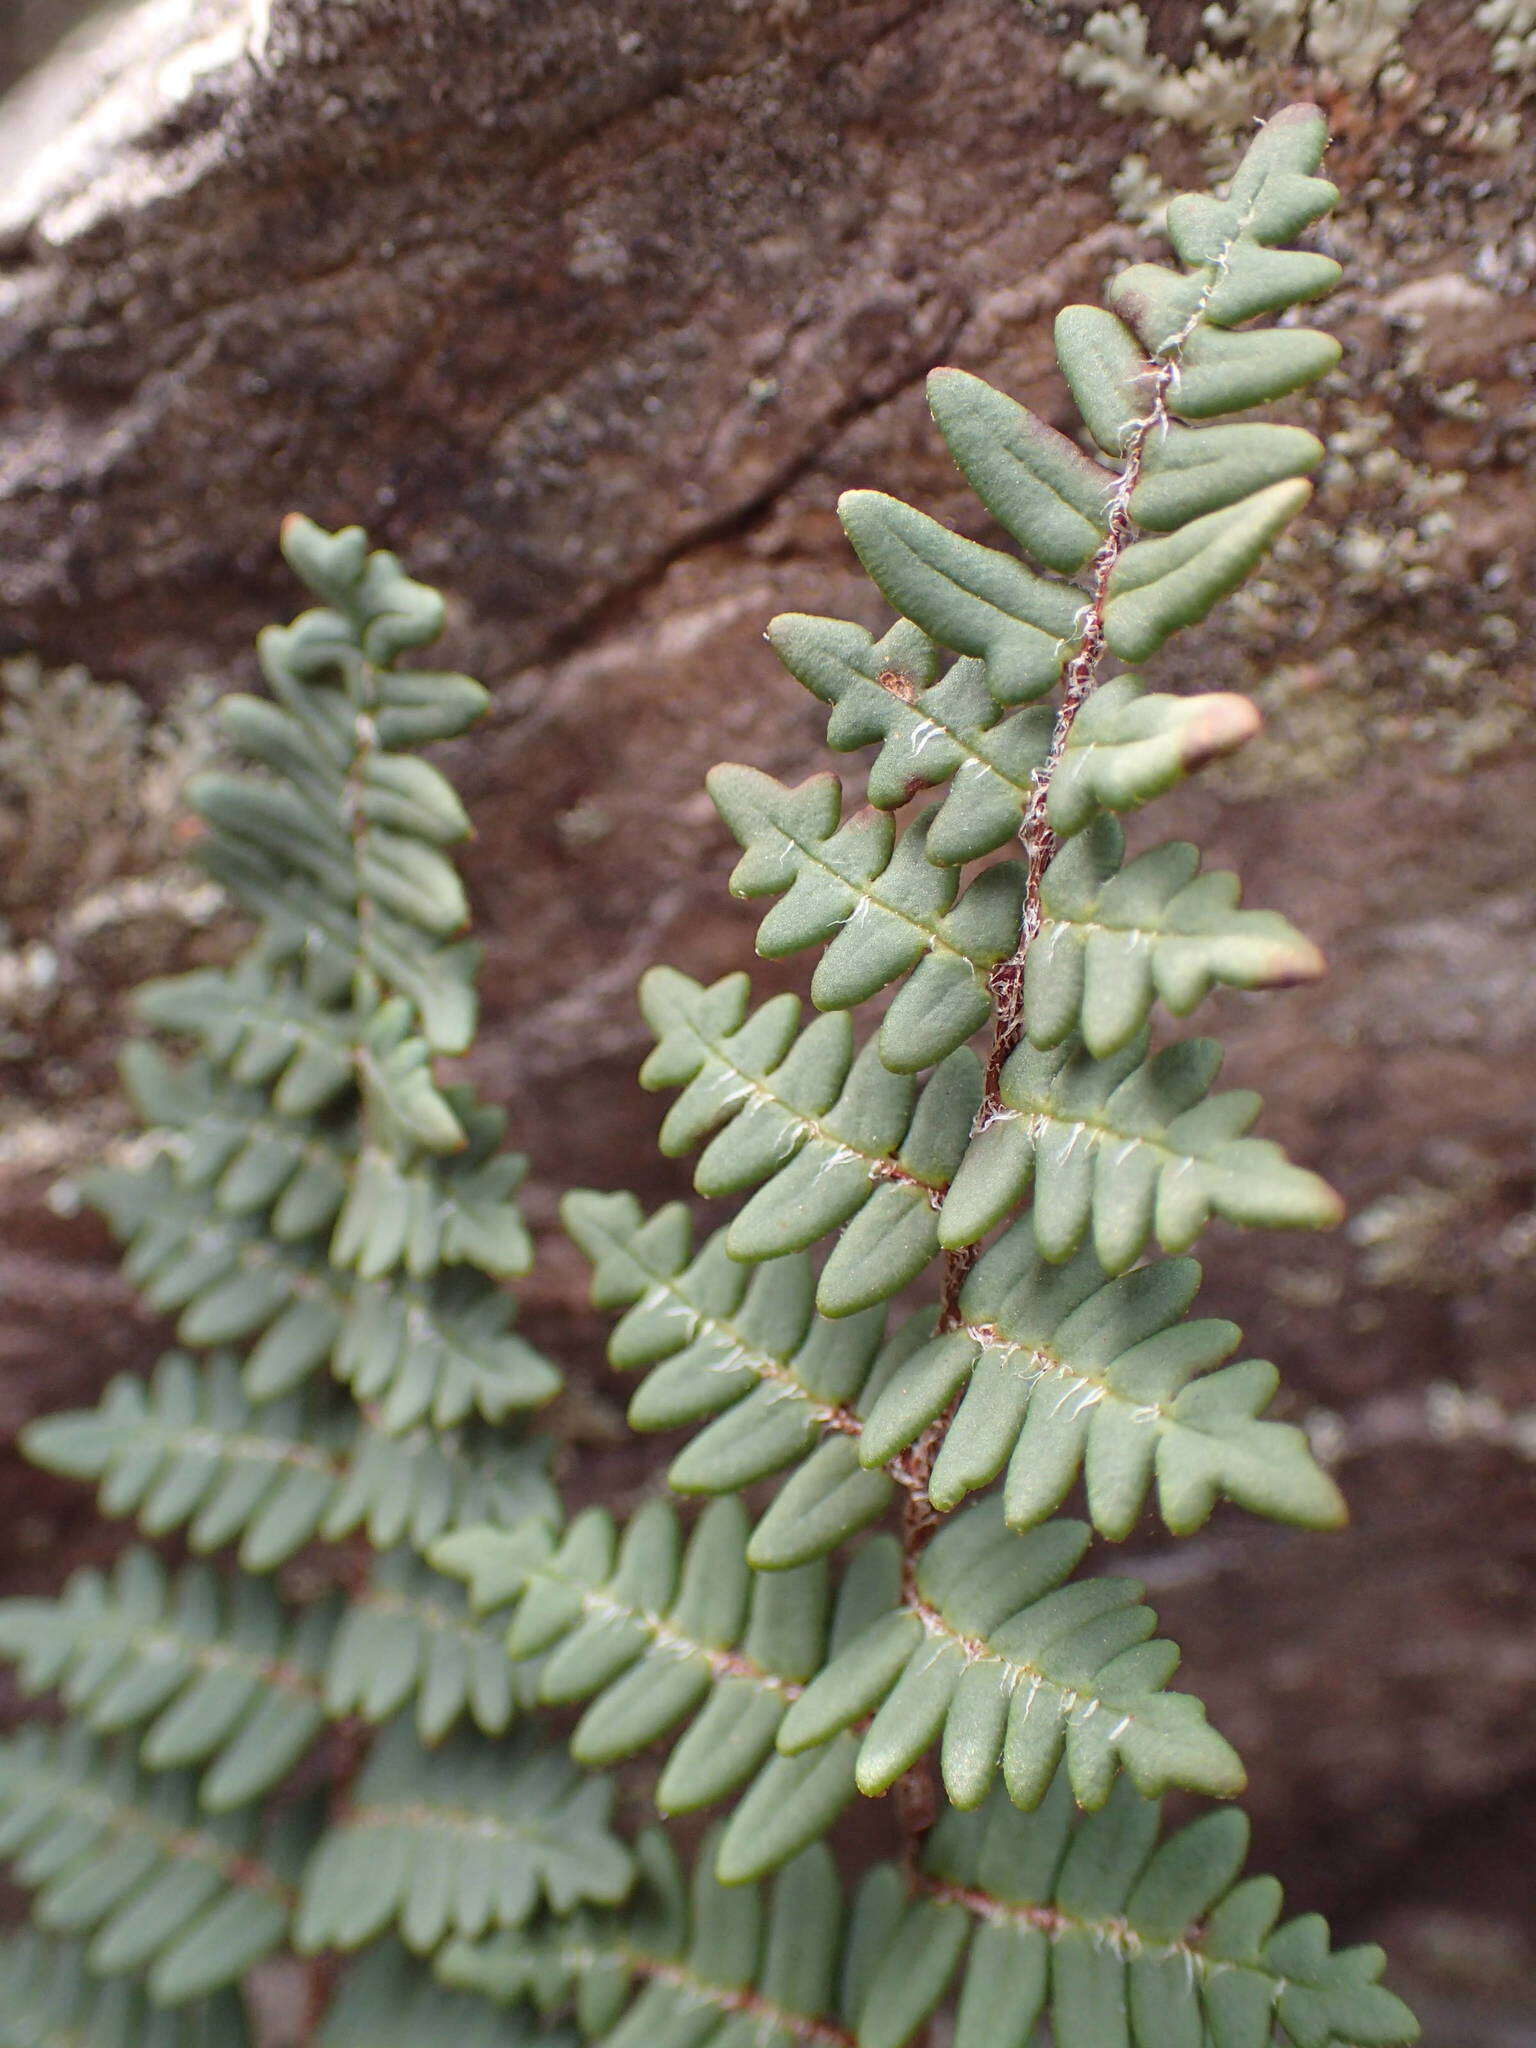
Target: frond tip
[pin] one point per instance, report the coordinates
(1119, 1940)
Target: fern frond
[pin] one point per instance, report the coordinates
(995, 1654)
(974, 599)
(189, 1450)
(226, 1677)
(222, 1673)
(1119, 1940)
(189, 1902)
(408, 1637)
(337, 845)
(290, 1032)
(1126, 747)
(1212, 497)
(1134, 1146)
(459, 1840)
(1115, 936)
(387, 1999)
(742, 1349)
(701, 1963)
(435, 1348)
(53, 2000)
(652, 1633)
(413, 1211)
(829, 1139)
(411, 1488)
(932, 731)
(876, 903)
(987, 1647)
(739, 1348)
(1061, 1369)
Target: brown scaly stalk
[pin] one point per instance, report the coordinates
(917, 1791)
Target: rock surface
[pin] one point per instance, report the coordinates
(591, 320)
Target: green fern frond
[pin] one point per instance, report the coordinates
(387, 1999)
(701, 1963)
(1061, 1369)
(189, 1902)
(1115, 1937)
(1115, 936)
(437, 1348)
(1214, 500)
(1128, 746)
(876, 903)
(740, 1348)
(1120, 1941)
(1006, 1659)
(1132, 1146)
(415, 1213)
(287, 1030)
(408, 1638)
(651, 1633)
(53, 2000)
(988, 1648)
(224, 1676)
(933, 732)
(189, 1450)
(830, 1140)
(337, 846)
(409, 1489)
(459, 1840)
(331, 1221)
(744, 1350)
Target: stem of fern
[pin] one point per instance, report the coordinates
(916, 1793)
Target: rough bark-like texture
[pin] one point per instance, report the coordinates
(591, 317)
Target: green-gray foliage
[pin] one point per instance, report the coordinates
(938, 1312)
(330, 1225)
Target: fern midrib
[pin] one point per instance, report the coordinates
(600, 1604)
(979, 1650)
(186, 1845)
(1149, 935)
(1097, 1133)
(549, 1833)
(359, 827)
(204, 1441)
(866, 895)
(816, 2033)
(428, 1613)
(161, 1642)
(272, 1017)
(1081, 676)
(813, 1130)
(973, 757)
(762, 1364)
(1113, 1932)
(1043, 1362)
(314, 1284)
(307, 1150)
